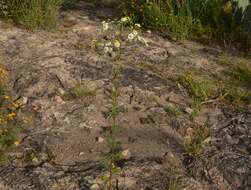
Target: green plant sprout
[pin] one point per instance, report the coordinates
(111, 40)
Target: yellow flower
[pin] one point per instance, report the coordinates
(105, 25)
(135, 32)
(11, 115)
(228, 7)
(2, 71)
(7, 97)
(117, 44)
(17, 142)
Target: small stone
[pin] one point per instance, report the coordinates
(81, 153)
(91, 150)
(58, 99)
(56, 115)
(25, 100)
(126, 154)
(95, 186)
(67, 120)
(61, 91)
(189, 110)
(231, 140)
(35, 160)
(99, 139)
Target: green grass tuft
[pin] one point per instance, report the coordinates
(32, 14)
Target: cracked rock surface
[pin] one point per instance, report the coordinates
(65, 136)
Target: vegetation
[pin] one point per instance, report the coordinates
(194, 144)
(80, 91)
(9, 126)
(109, 42)
(200, 19)
(171, 110)
(225, 21)
(31, 13)
(150, 91)
(114, 155)
(199, 88)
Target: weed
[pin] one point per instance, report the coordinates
(114, 155)
(112, 37)
(236, 87)
(214, 19)
(174, 181)
(32, 13)
(9, 125)
(194, 143)
(173, 111)
(237, 96)
(241, 74)
(3, 158)
(80, 91)
(199, 88)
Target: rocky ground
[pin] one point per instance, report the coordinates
(63, 138)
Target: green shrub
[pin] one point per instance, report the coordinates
(217, 19)
(31, 13)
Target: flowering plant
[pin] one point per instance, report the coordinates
(115, 35)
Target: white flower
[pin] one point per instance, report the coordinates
(117, 44)
(135, 32)
(125, 19)
(107, 49)
(108, 44)
(105, 25)
(131, 36)
(137, 25)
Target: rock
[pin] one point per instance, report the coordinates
(59, 100)
(99, 139)
(25, 100)
(231, 140)
(95, 186)
(209, 140)
(81, 153)
(61, 91)
(35, 160)
(189, 110)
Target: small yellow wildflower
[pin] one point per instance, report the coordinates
(17, 142)
(105, 25)
(11, 115)
(7, 97)
(2, 71)
(117, 44)
(135, 32)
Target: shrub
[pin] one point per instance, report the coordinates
(31, 13)
(217, 19)
(9, 127)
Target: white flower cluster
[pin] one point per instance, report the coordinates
(111, 41)
(109, 46)
(105, 25)
(134, 35)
